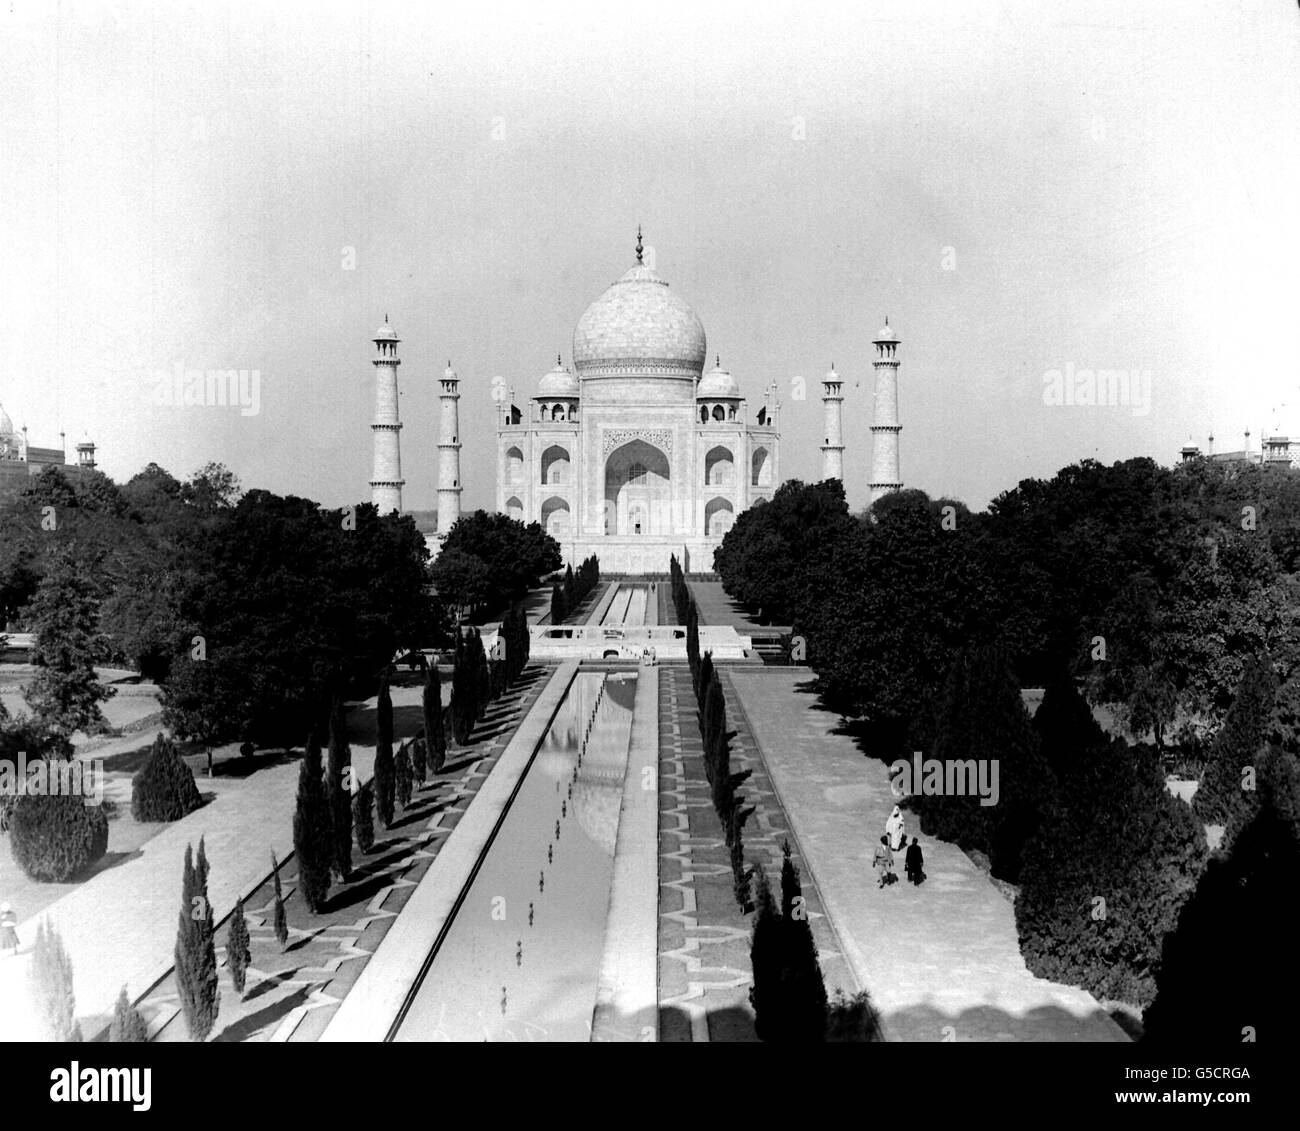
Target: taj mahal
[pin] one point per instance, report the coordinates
(634, 452)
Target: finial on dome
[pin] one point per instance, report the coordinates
(559, 362)
(385, 318)
(717, 361)
(638, 243)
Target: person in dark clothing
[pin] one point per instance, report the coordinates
(914, 862)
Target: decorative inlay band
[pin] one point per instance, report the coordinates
(655, 437)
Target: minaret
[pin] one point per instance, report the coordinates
(386, 476)
(885, 476)
(449, 452)
(833, 448)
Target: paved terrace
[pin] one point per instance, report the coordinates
(942, 961)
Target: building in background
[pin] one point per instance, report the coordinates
(20, 460)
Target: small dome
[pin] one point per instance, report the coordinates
(886, 333)
(559, 382)
(716, 383)
(386, 333)
(449, 374)
(6, 425)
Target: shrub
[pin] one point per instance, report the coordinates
(196, 952)
(128, 1026)
(363, 816)
(164, 788)
(852, 1018)
(50, 981)
(312, 833)
(53, 837)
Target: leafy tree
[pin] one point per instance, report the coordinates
(281, 922)
(65, 689)
(384, 781)
(164, 789)
(195, 954)
(463, 580)
(313, 838)
(50, 980)
(128, 1026)
(238, 955)
(514, 555)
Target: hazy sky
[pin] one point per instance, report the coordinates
(1021, 187)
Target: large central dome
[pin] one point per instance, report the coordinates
(639, 326)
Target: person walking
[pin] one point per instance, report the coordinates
(914, 862)
(883, 862)
(8, 928)
(895, 830)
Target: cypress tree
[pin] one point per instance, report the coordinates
(482, 677)
(462, 694)
(982, 719)
(806, 1002)
(419, 760)
(1225, 974)
(238, 955)
(50, 977)
(1116, 833)
(569, 592)
(340, 796)
(128, 1026)
(312, 835)
(384, 780)
(405, 778)
(164, 789)
(281, 921)
(765, 958)
(435, 733)
(363, 816)
(1064, 724)
(1225, 795)
(559, 610)
(195, 952)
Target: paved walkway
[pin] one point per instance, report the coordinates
(941, 961)
(119, 926)
(715, 607)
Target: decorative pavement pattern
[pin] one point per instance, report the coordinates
(704, 965)
(291, 995)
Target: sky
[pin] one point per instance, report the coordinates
(1025, 189)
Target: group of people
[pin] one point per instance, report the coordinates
(894, 840)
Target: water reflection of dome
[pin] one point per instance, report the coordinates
(596, 804)
(621, 689)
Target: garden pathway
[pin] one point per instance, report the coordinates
(942, 960)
